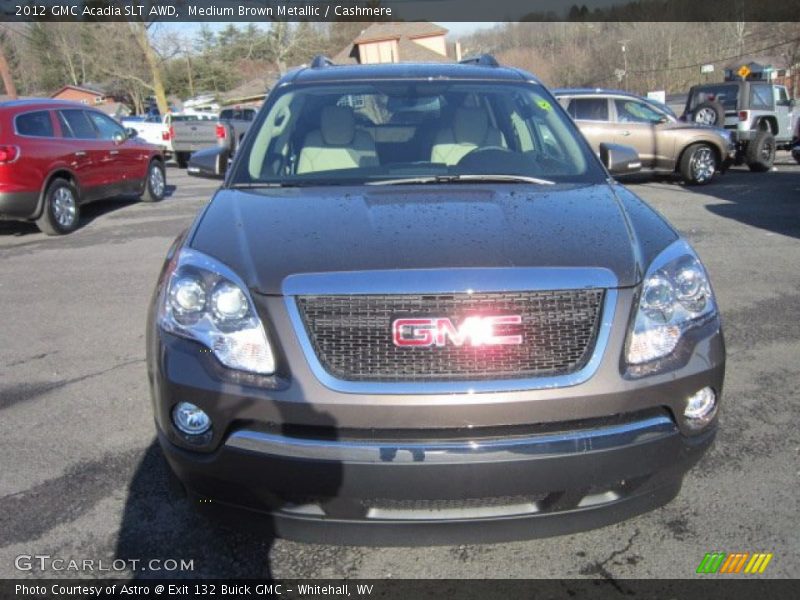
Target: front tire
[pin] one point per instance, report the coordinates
(61, 211)
(760, 153)
(698, 164)
(155, 185)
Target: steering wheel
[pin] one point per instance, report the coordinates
(485, 157)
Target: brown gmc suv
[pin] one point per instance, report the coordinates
(420, 310)
(664, 144)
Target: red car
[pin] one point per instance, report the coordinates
(56, 156)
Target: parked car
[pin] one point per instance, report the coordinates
(56, 156)
(665, 145)
(229, 130)
(761, 116)
(190, 134)
(796, 152)
(213, 162)
(233, 125)
(159, 131)
(447, 324)
(152, 129)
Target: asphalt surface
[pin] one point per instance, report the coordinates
(80, 476)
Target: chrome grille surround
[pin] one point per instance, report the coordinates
(351, 335)
(452, 282)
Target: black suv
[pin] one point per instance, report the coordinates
(420, 310)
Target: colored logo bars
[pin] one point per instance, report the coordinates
(737, 562)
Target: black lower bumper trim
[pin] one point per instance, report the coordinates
(507, 492)
(360, 532)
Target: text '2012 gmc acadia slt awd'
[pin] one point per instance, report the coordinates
(419, 310)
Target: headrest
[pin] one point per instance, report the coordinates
(470, 125)
(337, 125)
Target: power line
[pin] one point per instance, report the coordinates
(705, 62)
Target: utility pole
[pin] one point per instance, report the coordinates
(623, 44)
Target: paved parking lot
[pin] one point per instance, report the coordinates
(81, 478)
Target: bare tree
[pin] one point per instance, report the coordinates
(5, 73)
(283, 40)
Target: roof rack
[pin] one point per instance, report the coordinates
(483, 60)
(320, 61)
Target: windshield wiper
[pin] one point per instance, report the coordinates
(254, 185)
(263, 184)
(464, 178)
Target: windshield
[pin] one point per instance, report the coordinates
(399, 131)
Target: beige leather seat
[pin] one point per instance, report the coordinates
(470, 130)
(337, 144)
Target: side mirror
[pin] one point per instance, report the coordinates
(131, 132)
(620, 160)
(119, 137)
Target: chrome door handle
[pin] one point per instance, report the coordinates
(113, 152)
(625, 133)
(80, 153)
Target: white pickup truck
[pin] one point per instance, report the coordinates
(159, 130)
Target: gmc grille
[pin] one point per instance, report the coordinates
(352, 335)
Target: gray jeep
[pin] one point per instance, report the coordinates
(761, 116)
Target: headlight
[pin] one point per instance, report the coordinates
(206, 301)
(676, 295)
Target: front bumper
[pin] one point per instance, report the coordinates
(458, 491)
(404, 469)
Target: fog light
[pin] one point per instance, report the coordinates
(701, 408)
(190, 419)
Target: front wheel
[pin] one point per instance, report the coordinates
(760, 153)
(698, 164)
(156, 184)
(61, 212)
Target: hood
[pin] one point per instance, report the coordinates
(266, 235)
(681, 125)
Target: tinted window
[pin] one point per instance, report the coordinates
(37, 124)
(246, 114)
(781, 96)
(106, 126)
(727, 95)
(761, 96)
(75, 124)
(589, 109)
(631, 111)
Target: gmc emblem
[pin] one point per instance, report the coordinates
(437, 331)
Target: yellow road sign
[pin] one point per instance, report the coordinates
(743, 71)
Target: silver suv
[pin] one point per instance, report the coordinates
(664, 144)
(761, 116)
